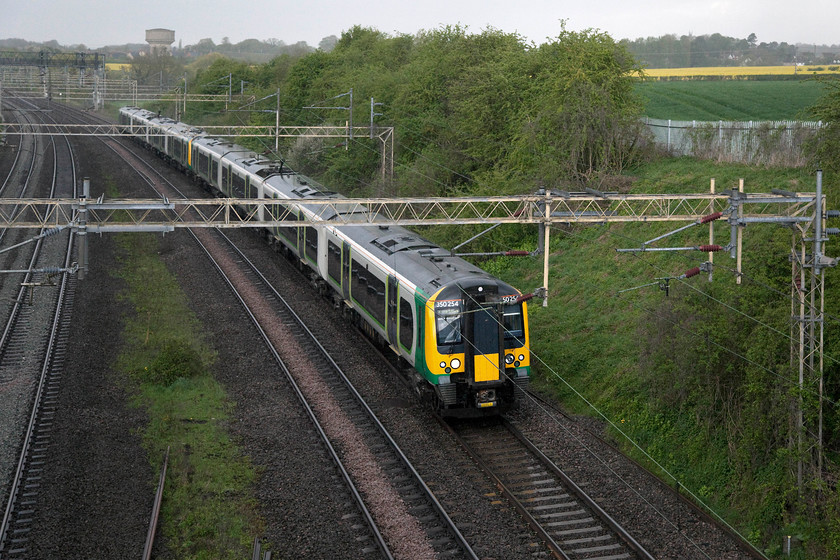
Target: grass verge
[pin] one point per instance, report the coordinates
(208, 510)
(702, 388)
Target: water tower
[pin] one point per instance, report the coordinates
(160, 40)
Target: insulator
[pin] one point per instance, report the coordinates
(517, 253)
(692, 272)
(832, 231)
(710, 248)
(51, 270)
(711, 217)
(524, 297)
(52, 231)
(832, 214)
(798, 283)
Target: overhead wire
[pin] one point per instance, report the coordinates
(763, 324)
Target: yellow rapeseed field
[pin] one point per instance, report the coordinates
(736, 71)
(116, 66)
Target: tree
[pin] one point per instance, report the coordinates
(156, 69)
(205, 46)
(582, 115)
(826, 144)
(328, 43)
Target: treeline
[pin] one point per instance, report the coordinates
(687, 51)
(249, 50)
(253, 50)
(483, 113)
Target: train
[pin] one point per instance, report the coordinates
(463, 332)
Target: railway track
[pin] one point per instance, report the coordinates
(569, 522)
(32, 348)
(378, 473)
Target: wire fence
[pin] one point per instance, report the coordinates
(752, 142)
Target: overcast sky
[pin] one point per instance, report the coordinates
(97, 23)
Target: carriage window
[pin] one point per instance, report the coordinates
(406, 324)
(312, 244)
(238, 190)
(334, 261)
(368, 291)
(203, 164)
(448, 321)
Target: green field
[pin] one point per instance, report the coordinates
(736, 100)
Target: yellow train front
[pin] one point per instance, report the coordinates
(475, 347)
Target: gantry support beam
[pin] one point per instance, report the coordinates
(261, 131)
(581, 208)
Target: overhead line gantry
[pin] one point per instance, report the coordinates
(801, 212)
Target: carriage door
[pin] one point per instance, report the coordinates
(484, 335)
(345, 271)
(393, 317)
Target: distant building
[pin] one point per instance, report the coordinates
(160, 40)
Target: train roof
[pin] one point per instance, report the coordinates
(426, 265)
(167, 123)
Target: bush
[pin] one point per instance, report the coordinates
(177, 359)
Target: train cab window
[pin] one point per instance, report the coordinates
(448, 320)
(406, 324)
(514, 325)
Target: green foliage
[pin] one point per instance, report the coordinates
(582, 114)
(700, 378)
(466, 108)
(470, 112)
(156, 69)
(176, 360)
(827, 144)
(208, 510)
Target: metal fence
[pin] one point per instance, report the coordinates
(755, 142)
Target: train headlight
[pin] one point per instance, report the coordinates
(508, 359)
(442, 365)
(455, 363)
(521, 357)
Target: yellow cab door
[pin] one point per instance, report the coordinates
(484, 333)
